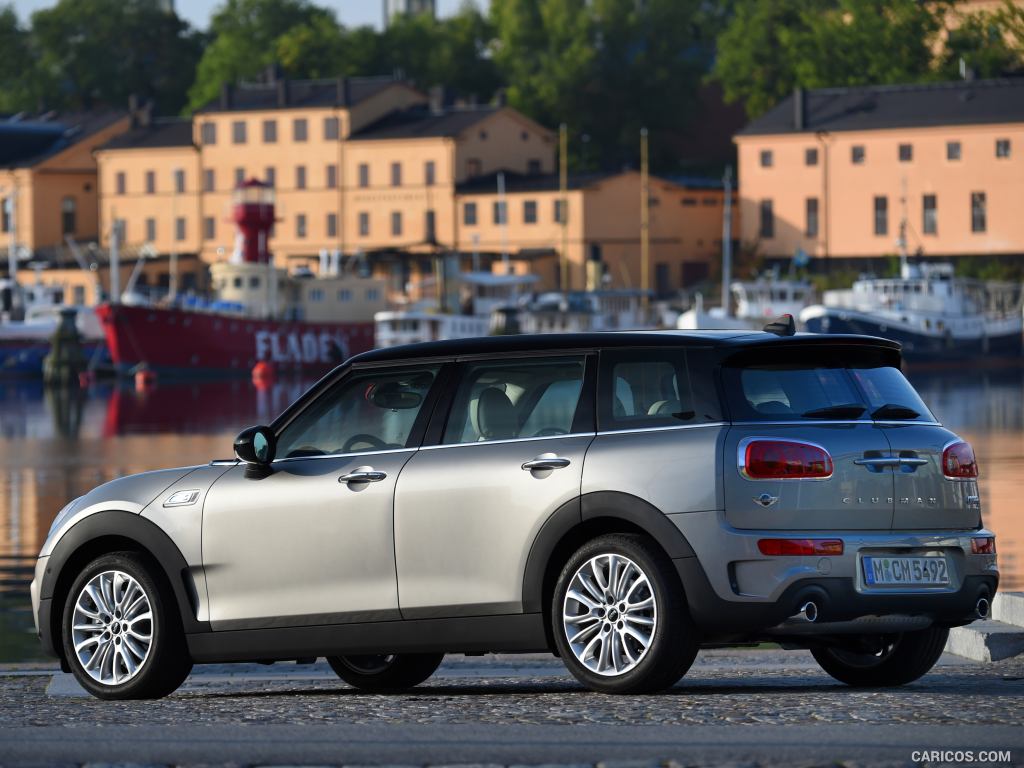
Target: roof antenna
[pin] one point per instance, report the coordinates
(783, 325)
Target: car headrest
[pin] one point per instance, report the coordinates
(495, 415)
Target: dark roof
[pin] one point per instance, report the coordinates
(421, 121)
(162, 132)
(26, 140)
(964, 102)
(523, 182)
(292, 94)
(556, 341)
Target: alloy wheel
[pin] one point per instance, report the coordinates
(112, 627)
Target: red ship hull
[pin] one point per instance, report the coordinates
(189, 343)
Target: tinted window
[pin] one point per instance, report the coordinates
(516, 399)
(365, 412)
(655, 388)
(787, 392)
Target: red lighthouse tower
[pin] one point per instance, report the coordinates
(253, 214)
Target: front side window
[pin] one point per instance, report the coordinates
(516, 399)
(648, 388)
(370, 411)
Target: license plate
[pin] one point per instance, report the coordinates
(906, 570)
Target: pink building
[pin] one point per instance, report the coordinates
(835, 172)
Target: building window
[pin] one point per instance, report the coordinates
(332, 225)
(332, 176)
(474, 167)
(239, 176)
(150, 182)
(396, 174)
(179, 181)
(500, 212)
(270, 176)
(364, 175)
(5, 214)
(930, 221)
(150, 230)
(429, 173)
(300, 225)
(332, 128)
(429, 226)
(811, 156)
(344, 294)
(68, 210)
(529, 211)
(533, 166)
(209, 228)
(238, 132)
(906, 153)
(396, 223)
(1002, 147)
(300, 129)
(469, 214)
(179, 228)
(857, 154)
(811, 229)
(364, 224)
(208, 133)
(766, 158)
(208, 180)
(952, 150)
(119, 182)
(881, 215)
(483, 135)
(767, 219)
(372, 294)
(300, 177)
(561, 214)
(979, 221)
(270, 131)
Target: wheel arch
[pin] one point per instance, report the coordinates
(114, 531)
(580, 520)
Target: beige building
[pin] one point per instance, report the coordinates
(837, 172)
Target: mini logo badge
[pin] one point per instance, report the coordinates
(766, 499)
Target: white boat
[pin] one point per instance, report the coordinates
(932, 312)
(756, 303)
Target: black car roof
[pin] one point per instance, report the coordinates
(546, 342)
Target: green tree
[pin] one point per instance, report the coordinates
(18, 75)
(93, 52)
(990, 43)
(244, 41)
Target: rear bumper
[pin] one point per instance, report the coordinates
(734, 591)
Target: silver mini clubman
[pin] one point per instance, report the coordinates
(620, 500)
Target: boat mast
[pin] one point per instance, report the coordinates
(727, 242)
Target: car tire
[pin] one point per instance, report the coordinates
(884, 661)
(621, 645)
(121, 631)
(381, 673)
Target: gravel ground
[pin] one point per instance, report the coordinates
(723, 690)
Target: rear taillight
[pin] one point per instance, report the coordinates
(780, 547)
(983, 545)
(765, 459)
(958, 462)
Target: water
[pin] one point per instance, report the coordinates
(56, 447)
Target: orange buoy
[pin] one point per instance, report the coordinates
(144, 379)
(263, 373)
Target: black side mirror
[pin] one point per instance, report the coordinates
(256, 445)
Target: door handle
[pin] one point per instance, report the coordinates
(878, 461)
(908, 462)
(363, 475)
(546, 462)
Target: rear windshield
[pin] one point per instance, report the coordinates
(787, 392)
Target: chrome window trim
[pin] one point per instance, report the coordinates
(817, 422)
(507, 440)
(671, 428)
(741, 459)
(343, 455)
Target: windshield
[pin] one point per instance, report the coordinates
(788, 392)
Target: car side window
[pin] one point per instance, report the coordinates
(366, 411)
(641, 389)
(535, 397)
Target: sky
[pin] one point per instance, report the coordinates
(351, 13)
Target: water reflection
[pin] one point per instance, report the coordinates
(56, 446)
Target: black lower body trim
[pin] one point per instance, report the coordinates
(519, 633)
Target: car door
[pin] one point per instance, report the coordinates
(311, 541)
(468, 508)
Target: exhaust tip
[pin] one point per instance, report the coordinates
(983, 608)
(810, 611)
